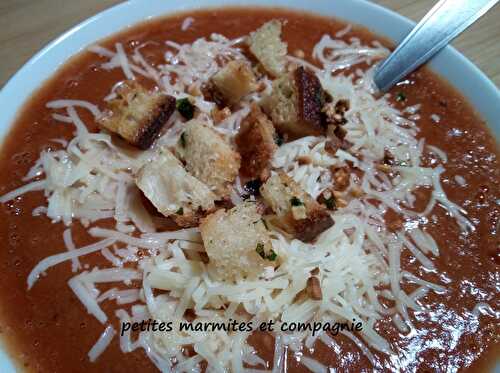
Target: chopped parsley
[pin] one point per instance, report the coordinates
(180, 211)
(183, 139)
(296, 202)
(400, 97)
(278, 139)
(185, 108)
(330, 203)
(260, 250)
(272, 256)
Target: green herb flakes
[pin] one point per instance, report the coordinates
(330, 203)
(272, 256)
(294, 201)
(279, 140)
(185, 108)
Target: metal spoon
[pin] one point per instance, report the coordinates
(440, 25)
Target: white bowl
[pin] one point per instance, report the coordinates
(450, 64)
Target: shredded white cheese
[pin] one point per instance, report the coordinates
(102, 343)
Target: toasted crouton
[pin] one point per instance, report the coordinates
(298, 213)
(138, 115)
(295, 104)
(256, 144)
(172, 190)
(237, 242)
(233, 82)
(208, 157)
(266, 45)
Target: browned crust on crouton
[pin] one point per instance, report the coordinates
(152, 125)
(230, 84)
(138, 130)
(185, 220)
(295, 104)
(256, 144)
(310, 99)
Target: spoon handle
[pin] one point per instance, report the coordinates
(440, 25)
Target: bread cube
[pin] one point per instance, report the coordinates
(137, 115)
(173, 191)
(295, 104)
(256, 144)
(237, 243)
(268, 48)
(297, 212)
(208, 157)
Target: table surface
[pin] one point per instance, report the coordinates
(28, 25)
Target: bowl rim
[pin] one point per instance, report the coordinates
(484, 95)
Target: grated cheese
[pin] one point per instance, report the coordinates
(102, 343)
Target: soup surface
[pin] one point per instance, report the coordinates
(48, 330)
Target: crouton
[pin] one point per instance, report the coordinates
(298, 213)
(233, 82)
(137, 115)
(295, 104)
(208, 157)
(256, 144)
(172, 190)
(268, 48)
(237, 242)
